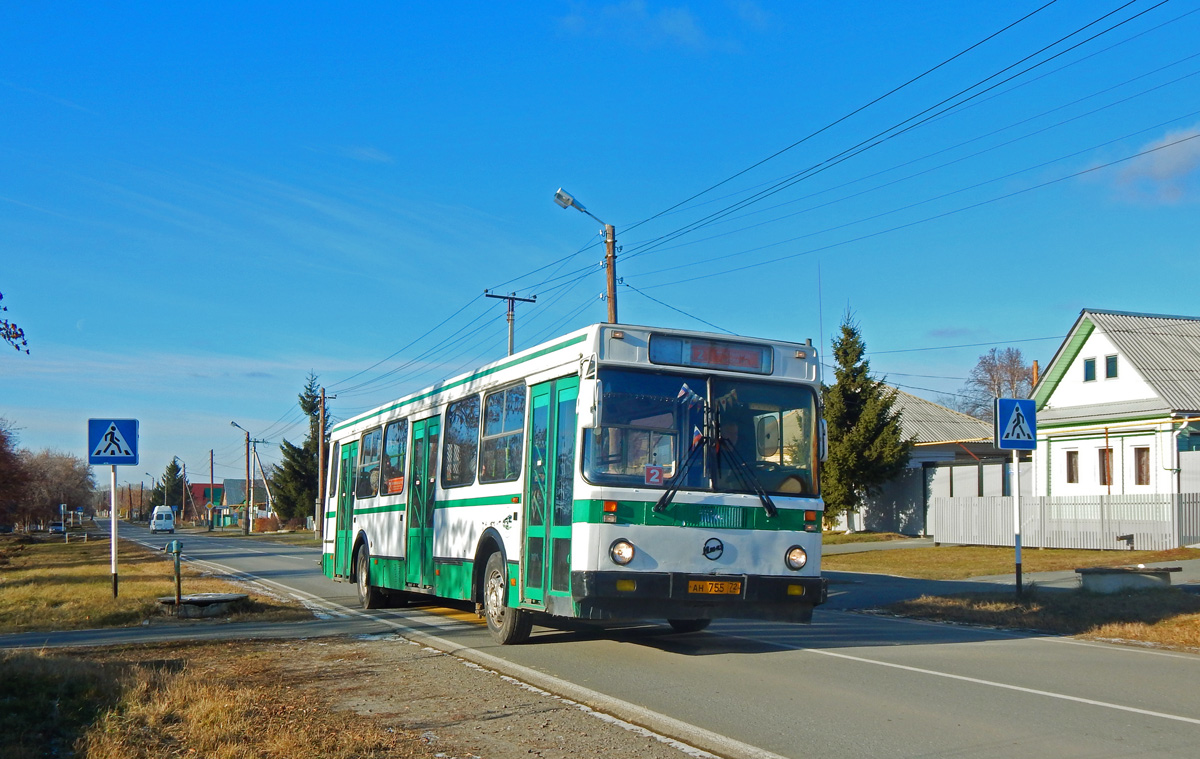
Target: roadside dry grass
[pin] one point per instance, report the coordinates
(840, 538)
(50, 585)
(214, 701)
(962, 562)
(1167, 617)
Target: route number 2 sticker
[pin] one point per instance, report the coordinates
(654, 475)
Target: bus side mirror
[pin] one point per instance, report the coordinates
(591, 395)
(823, 443)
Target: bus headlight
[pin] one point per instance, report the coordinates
(795, 558)
(621, 552)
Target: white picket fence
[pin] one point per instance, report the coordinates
(1156, 522)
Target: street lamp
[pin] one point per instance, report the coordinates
(182, 488)
(249, 492)
(566, 200)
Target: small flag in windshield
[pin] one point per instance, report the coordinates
(687, 396)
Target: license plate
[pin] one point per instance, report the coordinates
(715, 587)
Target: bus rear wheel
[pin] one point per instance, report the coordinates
(688, 625)
(507, 625)
(369, 596)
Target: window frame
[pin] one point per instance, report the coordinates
(1072, 467)
(1141, 465)
(505, 433)
(467, 465)
(1089, 367)
(363, 465)
(1110, 367)
(1105, 468)
(389, 472)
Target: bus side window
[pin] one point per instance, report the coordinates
(503, 435)
(367, 482)
(395, 446)
(460, 443)
(332, 472)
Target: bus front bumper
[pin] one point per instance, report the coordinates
(677, 595)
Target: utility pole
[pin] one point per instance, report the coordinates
(319, 506)
(249, 483)
(610, 264)
(212, 489)
(512, 299)
(246, 523)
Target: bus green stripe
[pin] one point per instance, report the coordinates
(491, 500)
(469, 378)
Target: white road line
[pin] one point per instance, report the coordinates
(1005, 686)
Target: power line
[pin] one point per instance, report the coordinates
(897, 129)
(834, 123)
(925, 220)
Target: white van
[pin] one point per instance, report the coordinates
(162, 519)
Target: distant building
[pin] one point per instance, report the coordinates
(1118, 407)
(953, 454)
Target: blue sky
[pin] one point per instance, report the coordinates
(201, 204)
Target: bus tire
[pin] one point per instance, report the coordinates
(507, 625)
(688, 625)
(369, 596)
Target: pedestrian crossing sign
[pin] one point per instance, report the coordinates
(1015, 424)
(113, 441)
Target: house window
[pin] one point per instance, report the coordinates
(1141, 466)
(1073, 466)
(1110, 367)
(1089, 370)
(1105, 466)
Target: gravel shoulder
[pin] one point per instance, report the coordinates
(457, 708)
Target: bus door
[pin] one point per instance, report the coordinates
(550, 489)
(344, 539)
(418, 564)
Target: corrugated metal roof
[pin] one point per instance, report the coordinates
(927, 422)
(1165, 350)
(1103, 412)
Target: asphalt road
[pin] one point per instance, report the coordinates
(848, 685)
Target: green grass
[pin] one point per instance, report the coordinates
(962, 562)
(1167, 616)
(840, 538)
(46, 584)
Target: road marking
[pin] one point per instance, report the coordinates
(1005, 686)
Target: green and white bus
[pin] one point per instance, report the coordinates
(615, 473)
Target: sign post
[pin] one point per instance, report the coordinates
(1015, 423)
(113, 442)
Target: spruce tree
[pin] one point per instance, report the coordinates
(169, 491)
(296, 478)
(866, 445)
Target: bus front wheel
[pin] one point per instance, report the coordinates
(507, 625)
(369, 596)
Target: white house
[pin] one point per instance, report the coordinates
(1118, 408)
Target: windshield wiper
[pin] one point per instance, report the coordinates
(669, 494)
(745, 475)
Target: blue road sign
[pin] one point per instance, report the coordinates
(113, 441)
(1015, 423)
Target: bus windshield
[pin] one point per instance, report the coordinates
(651, 422)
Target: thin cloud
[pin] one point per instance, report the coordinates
(1169, 175)
(366, 154)
(634, 22)
(57, 100)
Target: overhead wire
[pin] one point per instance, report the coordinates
(849, 115)
(897, 129)
(925, 220)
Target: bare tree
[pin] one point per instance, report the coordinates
(55, 478)
(1000, 373)
(14, 479)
